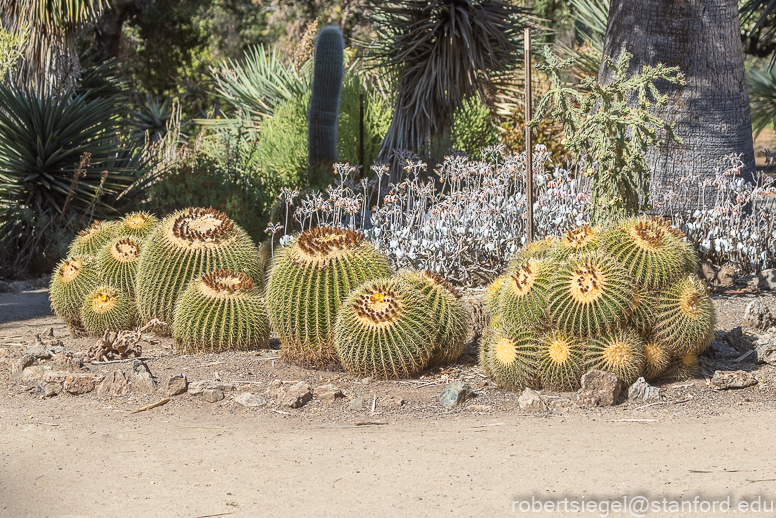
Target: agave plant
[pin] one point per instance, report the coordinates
(151, 118)
(443, 53)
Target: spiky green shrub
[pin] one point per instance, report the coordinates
(509, 357)
(184, 246)
(684, 317)
(560, 360)
(590, 294)
(523, 299)
(107, 308)
(72, 280)
(386, 329)
(649, 251)
(309, 280)
(620, 352)
(137, 224)
(657, 359)
(91, 240)
(578, 240)
(451, 320)
(221, 311)
(117, 263)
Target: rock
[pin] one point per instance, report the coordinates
(767, 279)
(720, 349)
(357, 403)
(366, 381)
(726, 277)
(4, 352)
(114, 384)
(599, 388)
(766, 351)
(196, 388)
(643, 391)
(22, 363)
(78, 384)
(32, 372)
(560, 405)
(67, 362)
(328, 393)
(531, 401)
(734, 337)
(5, 287)
(757, 315)
(48, 388)
(724, 380)
(213, 395)
(455, 393)
(297, 395)
(41, 282)
(392, 402)
(479, 408)
(39, 352)
(249, 400)
(176, 384)
(140, 378)
(708, 272)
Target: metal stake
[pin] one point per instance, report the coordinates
(528, 146)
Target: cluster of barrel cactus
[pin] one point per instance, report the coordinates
(137, 269)
(622, 298)
(332, 299)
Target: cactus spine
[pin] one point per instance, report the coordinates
(523, 299)
(560, 358)
(187, 244)
(73, 279)
(684, 317)
(309, 280)
(452, 323)
(386, 329)
(578, 240)
(620, 352)
(510, 357)
(117, 263)
(657, 360)
(137, 224)
(591, 294)
(323, 115)
(221, 311)
(107, 308)
(91, 240)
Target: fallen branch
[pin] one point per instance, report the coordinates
(633, 420)
(367, 423)
(143, 358)
(152, 405)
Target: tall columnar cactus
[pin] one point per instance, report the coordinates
(386, 329)
(578, 240)
(91, 240)
(560, 360)
(648, 249)
(309, 280)
(187, 244)
(117, 263)
(72, 280)
(107, 308)
(523, 299)
(221, 311)
(137, 224)
(620, 352)
(451, 319)
(591, 294)
(684, 317)
(323, 116)
(510, 357)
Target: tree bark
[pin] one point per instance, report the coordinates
(107, 30)
(711, 112)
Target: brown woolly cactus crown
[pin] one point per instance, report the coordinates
(125, 250)
(226, 283)
(137, 224)
(197, 227)
(523, 299)
(577, 240)
(118, 261)
(321, 245)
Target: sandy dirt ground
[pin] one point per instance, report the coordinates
(89, 456)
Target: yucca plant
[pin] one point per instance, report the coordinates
(761, 82)
(151, 118)
(442, 52)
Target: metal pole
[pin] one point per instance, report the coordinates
(529, 202)
(361, 134)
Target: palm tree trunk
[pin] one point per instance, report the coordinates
(711, 112)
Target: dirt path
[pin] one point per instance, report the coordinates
(89, 456)
(106, 463)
